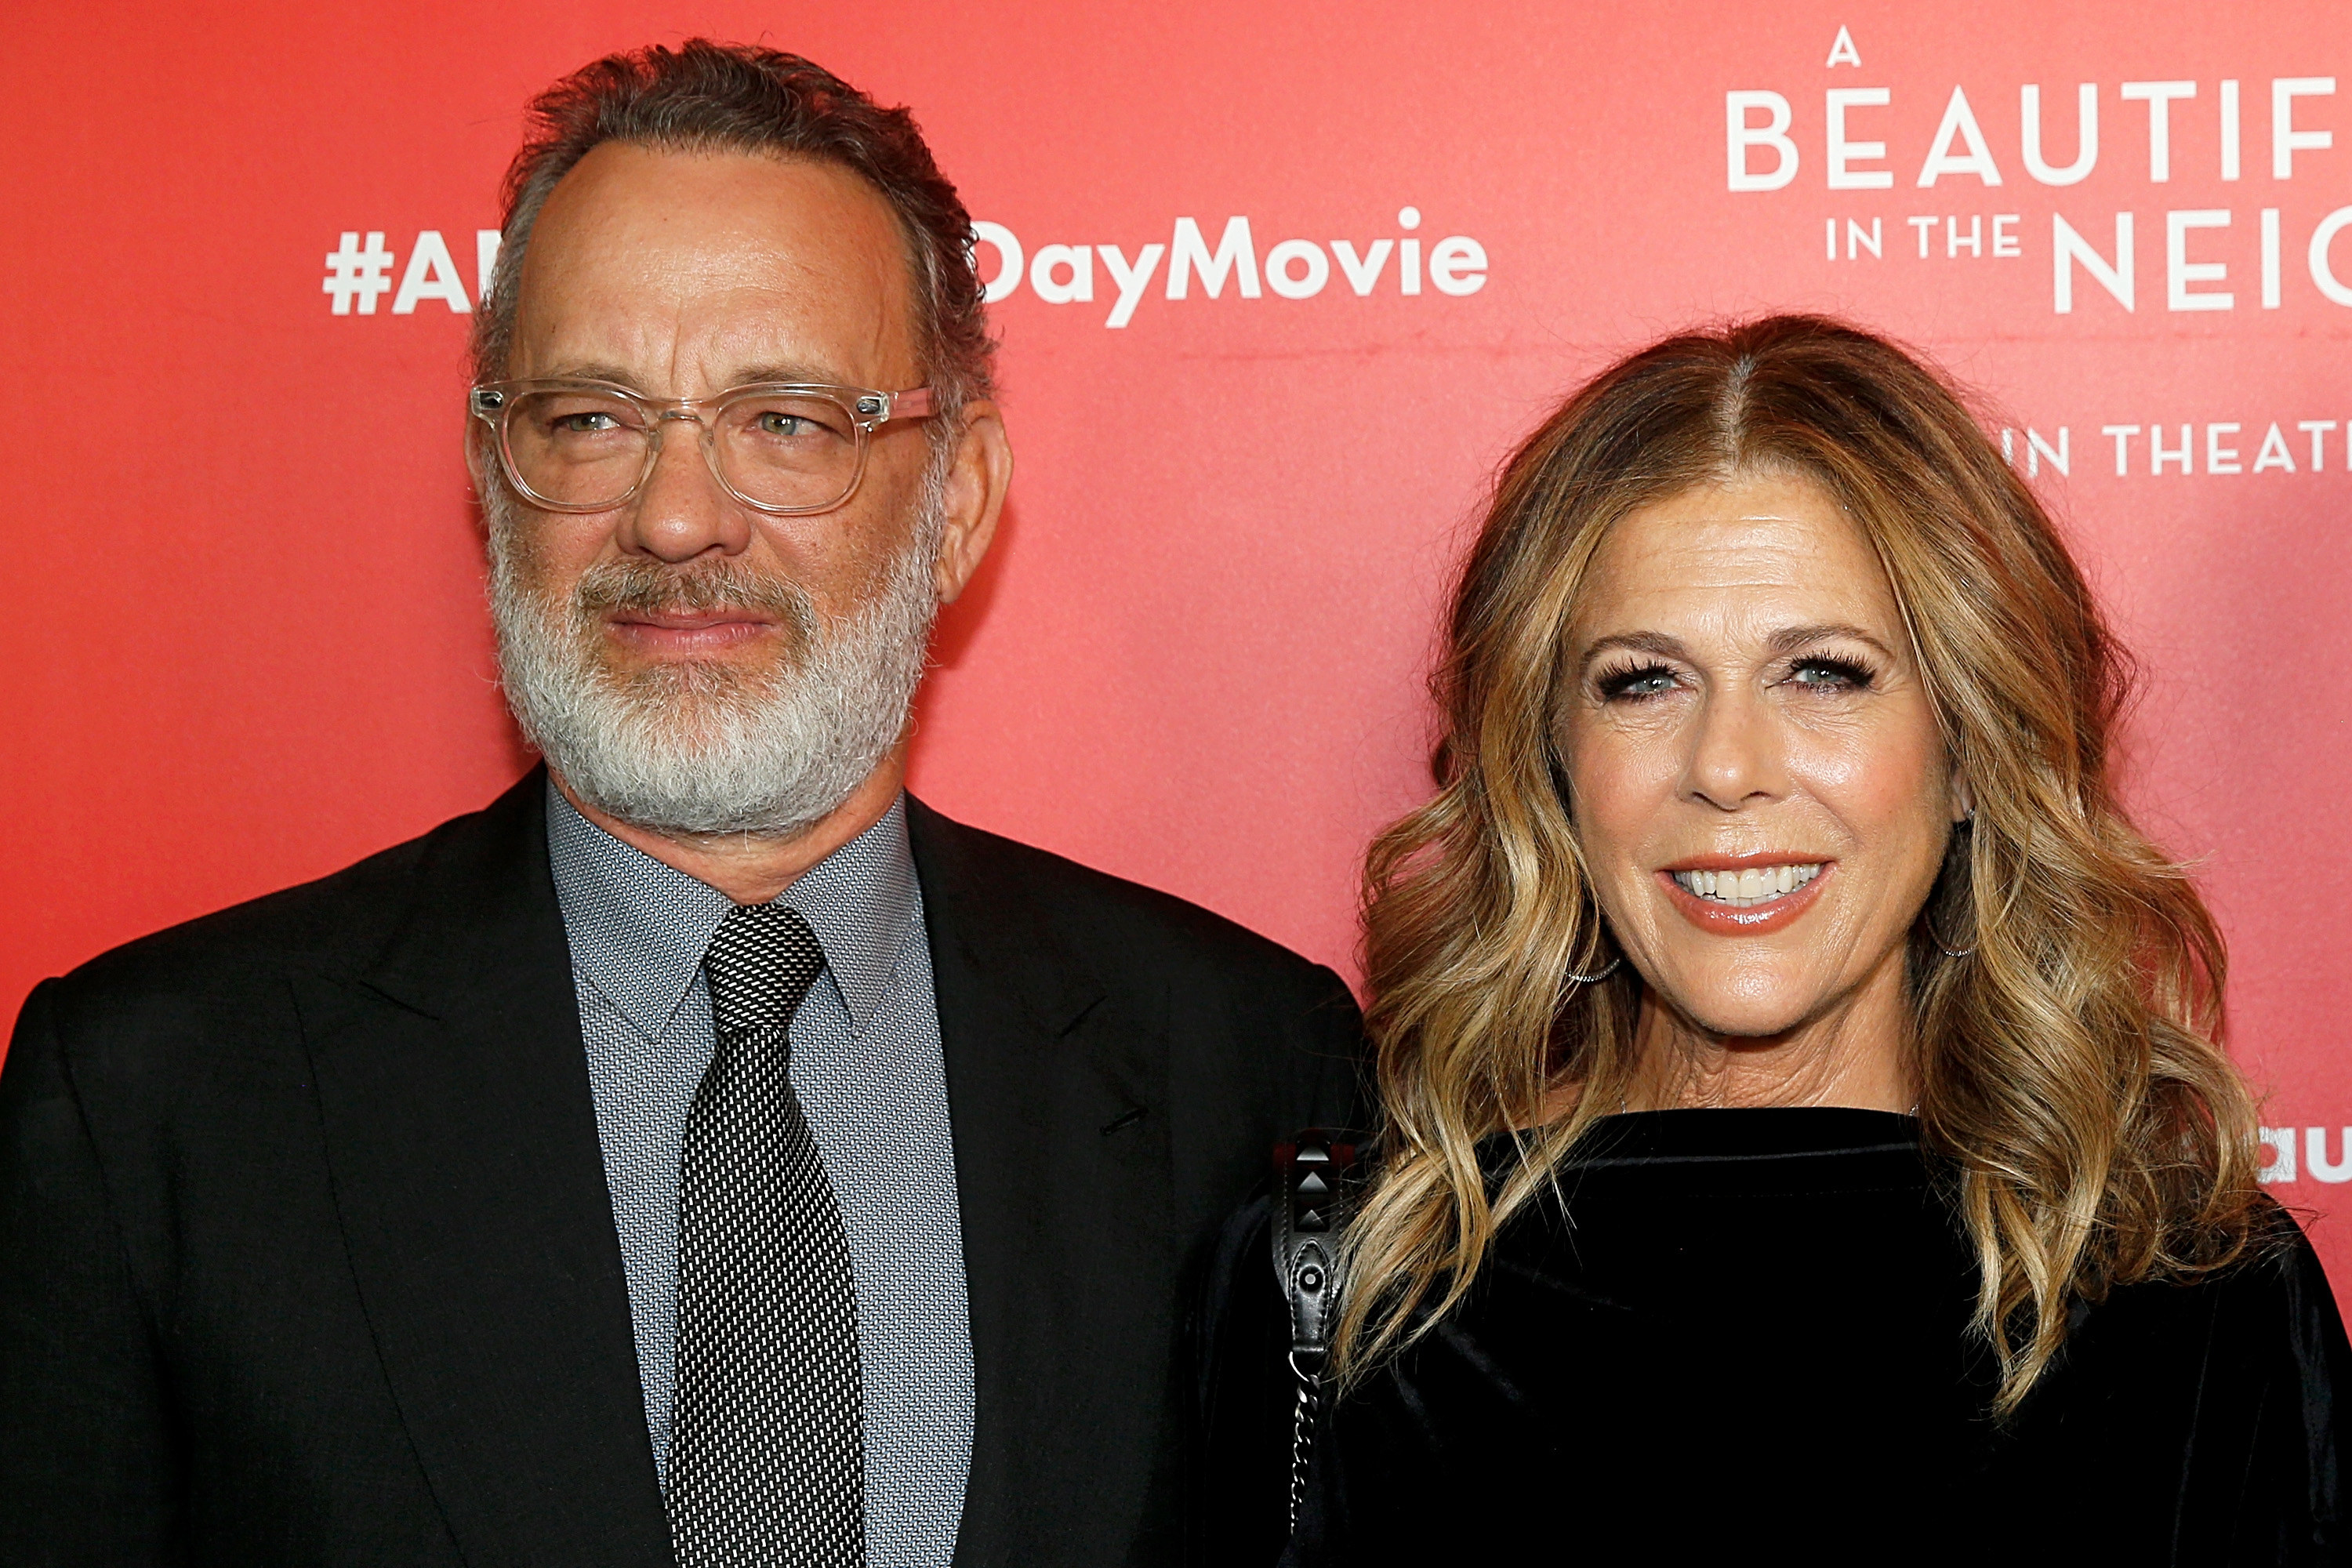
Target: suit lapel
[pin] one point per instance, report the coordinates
(1061, 1171)
(462, 1139)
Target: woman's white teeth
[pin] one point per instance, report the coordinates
(1751, 885)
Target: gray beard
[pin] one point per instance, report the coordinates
(701, 748)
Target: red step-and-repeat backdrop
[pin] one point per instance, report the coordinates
(1277, 286)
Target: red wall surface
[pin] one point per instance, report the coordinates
(246, 637)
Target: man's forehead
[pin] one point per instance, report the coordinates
(752, 191)
(714, 256)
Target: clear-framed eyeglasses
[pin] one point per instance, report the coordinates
(782, 448)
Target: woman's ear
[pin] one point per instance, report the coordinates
(1964, 800)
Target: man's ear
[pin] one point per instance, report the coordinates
(978, 477)
(479, 460)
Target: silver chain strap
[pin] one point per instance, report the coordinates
(1310, 1211)
(1302, 1441)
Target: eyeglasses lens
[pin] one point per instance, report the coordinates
(587, 450)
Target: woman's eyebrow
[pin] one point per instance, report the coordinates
(1658, 643)
(1789, 638)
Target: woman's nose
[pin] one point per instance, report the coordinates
(683, 513)
(1736, 752)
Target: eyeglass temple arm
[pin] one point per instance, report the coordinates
(882, 407)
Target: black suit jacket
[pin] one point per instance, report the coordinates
(306, 1254)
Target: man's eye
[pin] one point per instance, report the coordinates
(786, 425)
(595, 422)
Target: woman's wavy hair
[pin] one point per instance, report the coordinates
(2072, 1083)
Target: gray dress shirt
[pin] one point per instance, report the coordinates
(867, 1065)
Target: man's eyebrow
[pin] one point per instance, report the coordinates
(596, 370)
(804, 375)
(750, 376)
(1788, 640)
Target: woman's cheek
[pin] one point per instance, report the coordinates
(1871, 775)
(1627, 773)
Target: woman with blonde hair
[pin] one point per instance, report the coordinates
(1803, 1119)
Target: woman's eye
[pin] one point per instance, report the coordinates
(1831, 674)
(1633, 685)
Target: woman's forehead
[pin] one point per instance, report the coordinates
(1776, 537)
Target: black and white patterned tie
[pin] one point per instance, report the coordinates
(767, 1462)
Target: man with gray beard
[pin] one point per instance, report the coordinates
(706, 1154)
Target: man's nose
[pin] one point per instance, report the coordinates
(682, 512)
(1736, 756)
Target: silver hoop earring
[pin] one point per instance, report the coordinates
(1927, 918)
(1948, 952)
(1605, 971)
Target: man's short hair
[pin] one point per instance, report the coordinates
(705, 96)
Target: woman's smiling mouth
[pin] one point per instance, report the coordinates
(1745, 896)
(1747, 886)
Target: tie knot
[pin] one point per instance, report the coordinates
(760, 963)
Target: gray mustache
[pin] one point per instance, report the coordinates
(646, 587)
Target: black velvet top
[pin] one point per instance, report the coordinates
(1747, 1332)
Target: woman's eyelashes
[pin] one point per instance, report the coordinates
(1634, 682)
(1830, 673)
(1819, 674)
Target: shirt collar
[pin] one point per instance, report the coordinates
(861, 900)
(637, 928)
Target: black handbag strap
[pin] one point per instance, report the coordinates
(1311, 1198)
